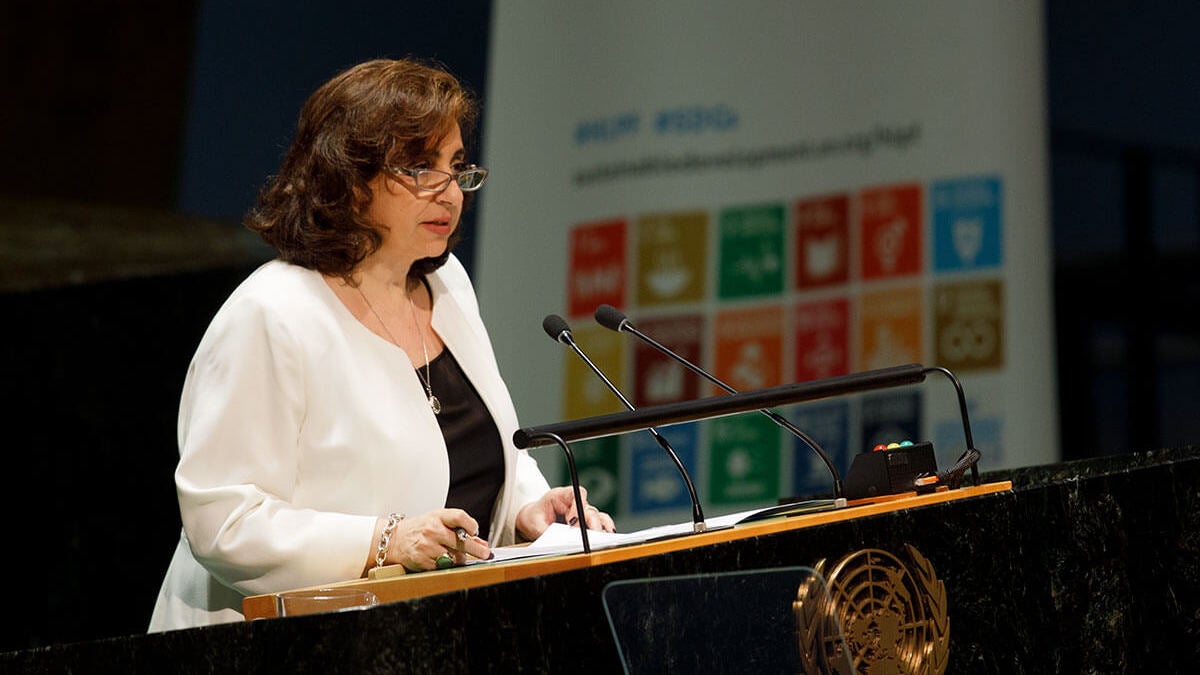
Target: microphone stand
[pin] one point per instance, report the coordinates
(574, 483)
(557, 329)
(970, 457)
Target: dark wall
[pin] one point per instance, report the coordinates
(257, 62)
(92, 375)
(187, 107)
(181, 108)
(93, 99)
(1124, 101)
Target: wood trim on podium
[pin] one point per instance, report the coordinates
(390, 585)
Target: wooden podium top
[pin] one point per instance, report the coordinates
(390, 584)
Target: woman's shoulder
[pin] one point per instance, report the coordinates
(278, 303)
(277, 293)
(277, 283)
(276, 275)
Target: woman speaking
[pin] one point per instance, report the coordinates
(344, 409)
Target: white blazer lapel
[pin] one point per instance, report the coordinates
(456, 320)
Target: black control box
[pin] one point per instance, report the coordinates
(890, 470)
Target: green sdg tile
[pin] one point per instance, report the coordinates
(597, 462)
(744, 458)
(752, 260)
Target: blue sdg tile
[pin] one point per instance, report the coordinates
(828, 425)
(655, 482)
(967, 221)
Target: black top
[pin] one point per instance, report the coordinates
(472, 441)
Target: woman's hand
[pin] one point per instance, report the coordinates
(418, 542)
(558, 506)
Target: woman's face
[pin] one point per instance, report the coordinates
(415, 223)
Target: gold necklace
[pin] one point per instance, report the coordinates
(434, 404)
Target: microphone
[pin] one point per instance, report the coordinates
(558, 330)
(614, 319)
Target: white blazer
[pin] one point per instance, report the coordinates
(298, 427)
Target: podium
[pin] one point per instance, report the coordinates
(761, 621)
(577, 622)
(1084, 566)
(398, 586)
(1087, 566)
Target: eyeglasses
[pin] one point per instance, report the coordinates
(469, 179)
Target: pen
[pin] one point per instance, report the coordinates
(462, 535)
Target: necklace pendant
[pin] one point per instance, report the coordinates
(435, 405)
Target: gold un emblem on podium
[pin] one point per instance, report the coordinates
(892, 613)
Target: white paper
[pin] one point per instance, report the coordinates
(559, 539)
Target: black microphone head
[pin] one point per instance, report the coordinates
(611, 318)
(556, 327)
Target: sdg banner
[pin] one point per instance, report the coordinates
(783, 191)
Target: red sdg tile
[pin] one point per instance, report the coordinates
(892, 227)
(597, 274)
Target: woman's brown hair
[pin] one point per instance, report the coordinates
(376, 114)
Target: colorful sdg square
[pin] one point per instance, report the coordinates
(892, 228)
(749, 347)
(967, 223)
(751, 254)
(672, 256)
(822, 241)
(597, 272)
(655, 482)
(597, 462)
(968, 324)
(744, 459)
(828, 425)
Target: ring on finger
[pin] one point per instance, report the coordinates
(444, 561)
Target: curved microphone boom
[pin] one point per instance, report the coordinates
(558, 330)
(614, 319)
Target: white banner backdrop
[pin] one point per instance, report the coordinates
(790, 190)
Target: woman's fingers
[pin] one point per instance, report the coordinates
(598, 520)
(562, 499)
(558, 505)
(446, 534)
(593, 518)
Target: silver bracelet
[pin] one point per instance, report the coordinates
(386, 537)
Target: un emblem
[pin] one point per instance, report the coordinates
(892, 613)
